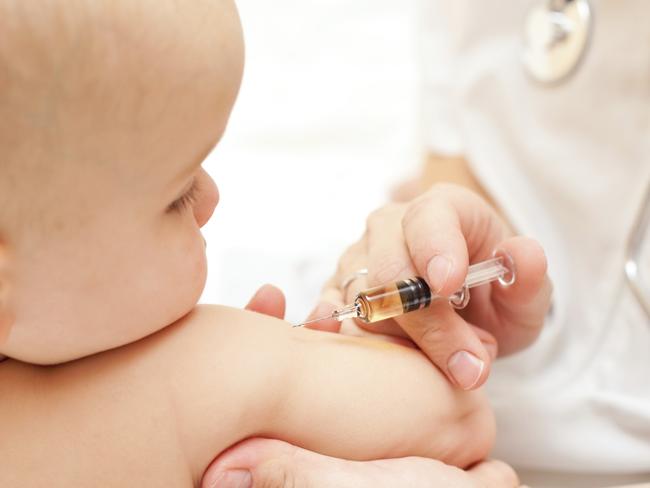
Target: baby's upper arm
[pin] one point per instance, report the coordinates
(155, 413)
(240, 374)
(343, 396)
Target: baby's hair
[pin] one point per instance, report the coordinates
(79, 77)
(47, 56)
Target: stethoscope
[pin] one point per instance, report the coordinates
(557, 35)
(638, 275)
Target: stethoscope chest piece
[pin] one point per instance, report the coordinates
(556, 37)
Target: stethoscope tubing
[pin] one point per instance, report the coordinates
(634, 272)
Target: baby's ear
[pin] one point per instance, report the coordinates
(6, 312)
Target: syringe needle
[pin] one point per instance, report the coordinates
(313, 321)
(347, 312)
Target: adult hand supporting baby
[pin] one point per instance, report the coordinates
(275, 464)
(436, 236)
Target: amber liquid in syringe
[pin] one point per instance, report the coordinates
(386, 301)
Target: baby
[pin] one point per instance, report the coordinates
(107, 109)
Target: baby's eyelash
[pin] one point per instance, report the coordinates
(186, 200)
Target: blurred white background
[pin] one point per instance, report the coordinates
(324, 126)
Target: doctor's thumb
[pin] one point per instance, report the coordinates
(271, 463)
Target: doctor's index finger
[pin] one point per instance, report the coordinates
(462, 352)
(388, 255)
(444, 228)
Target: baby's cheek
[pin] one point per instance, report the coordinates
(176, 270)
(191, 272)
(199, 269)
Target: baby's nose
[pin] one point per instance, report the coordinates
(207, 200)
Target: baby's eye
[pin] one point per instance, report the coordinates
(186, 200)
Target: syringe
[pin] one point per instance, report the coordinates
(387, 301)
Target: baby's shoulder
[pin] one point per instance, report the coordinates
(180, 394)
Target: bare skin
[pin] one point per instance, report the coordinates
(156, 412)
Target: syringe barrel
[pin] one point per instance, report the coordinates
(387, 301)
(394, 299)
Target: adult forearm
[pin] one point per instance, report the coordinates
(450, 169)
(438, 168)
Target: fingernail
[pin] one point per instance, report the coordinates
(466, 369)
(236, 478)
(438, 269)
(492, 349)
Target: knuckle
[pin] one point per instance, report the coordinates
(276, 474)
(445, 189)
(431, 337)
(387, 270)
(422, 249)
(341, 267)
(426, 328)
(425, 209)
(380, 216)
(375, 217)
(349, 258)
(453, 194)
(502, 474)
(415, 208)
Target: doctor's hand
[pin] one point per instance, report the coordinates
(267, 463)
(436, 236)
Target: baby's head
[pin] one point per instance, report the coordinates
(107, 109)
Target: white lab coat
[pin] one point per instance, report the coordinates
(569, 165)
